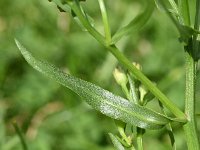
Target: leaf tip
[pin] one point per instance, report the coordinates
(27, 55)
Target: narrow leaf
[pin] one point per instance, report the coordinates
(133, 90)
(20, 134)
(169, 129)
(104, 101)
(116, 143)
(61, 5)
(136, 24)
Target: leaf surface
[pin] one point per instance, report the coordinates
(136, 24)
(102, 100)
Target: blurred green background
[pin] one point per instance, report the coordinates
(51, 116)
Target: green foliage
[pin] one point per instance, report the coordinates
(55, 118)
(100, 99)
(115, 142)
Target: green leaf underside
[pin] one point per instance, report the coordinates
(116, 143)
(104, 101)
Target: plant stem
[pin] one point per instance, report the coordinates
(140, 133)
(152, 87)
(75, 6)
(196, 26)
(197, 17)
(190, 127)
(105, 21)
(127, 64)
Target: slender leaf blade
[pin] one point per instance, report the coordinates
(116, 143)
(136, 24)
(62, 6)
(21, 136)
(102, 100)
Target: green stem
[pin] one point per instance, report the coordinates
(76, 8)
(152, 87)
(127, 64)
(139, 138)
(121, 129)
(196, 26)
(105, 21)
(190, 127)
(197, 17)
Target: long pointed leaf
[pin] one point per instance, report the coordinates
(104, 101)
(136, 24)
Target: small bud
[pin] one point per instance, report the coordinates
(120, 77)
(137, 65)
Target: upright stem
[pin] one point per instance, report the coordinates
(105, 21)
(152, 87)
(190, 69)
(127, 64)
(190, 127)
(139, 138)
(76, 8)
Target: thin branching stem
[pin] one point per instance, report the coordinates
(127, 64)
(105, 21)
(152, 87)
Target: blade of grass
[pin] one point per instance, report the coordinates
(20, 134)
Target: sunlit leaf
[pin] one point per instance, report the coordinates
(104, 101)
